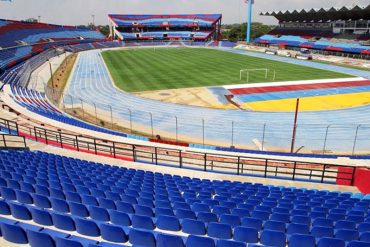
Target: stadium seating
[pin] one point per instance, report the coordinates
(166, 27)
(22, 40)
(37, 103)
(15, 33)
(40, 190)
(350, 46)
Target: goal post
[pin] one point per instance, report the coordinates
(251, 70)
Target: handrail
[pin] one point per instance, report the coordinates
(179, 158)
(8, 141)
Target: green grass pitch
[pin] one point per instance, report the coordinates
(148, 69)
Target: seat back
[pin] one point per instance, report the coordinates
(141, 238)
(164, 240)
(273, 238)
(195, 227)
(324, 242)
(219, 230)
(302, 240)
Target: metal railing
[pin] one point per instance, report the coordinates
(338, 138)
(12, 141)
(177, 157)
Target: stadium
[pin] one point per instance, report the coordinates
(163, 131)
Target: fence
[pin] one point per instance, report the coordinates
(204, 161)
(337, 138)
(12, 141)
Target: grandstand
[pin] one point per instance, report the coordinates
(201, 27)
(333, 30)
(21, 40)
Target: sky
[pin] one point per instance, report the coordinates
(79, 12)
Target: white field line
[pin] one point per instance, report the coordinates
(286, 83)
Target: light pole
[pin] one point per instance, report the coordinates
(249, 24)
(93, 20)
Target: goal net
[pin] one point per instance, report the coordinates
(245, 74)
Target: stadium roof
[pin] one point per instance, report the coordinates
(155, 20)
(322, 14)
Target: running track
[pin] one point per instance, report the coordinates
(90, 81)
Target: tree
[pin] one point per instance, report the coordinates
(237, 32)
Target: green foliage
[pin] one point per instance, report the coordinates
(146, 69)
(237, 32)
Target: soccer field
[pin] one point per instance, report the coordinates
(147, 69)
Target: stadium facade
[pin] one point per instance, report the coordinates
(195, 27)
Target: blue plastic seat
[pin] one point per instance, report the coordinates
(365, 237)
(119, 218)
(240, 212)
(364, 227)
(141, 238)
(168, 223)
(143, 222)
(163, 211)
(56, 193)
(274, 225)
(219, 210)
(207, 217)
(23, 197)
(165, 240)
(229, 243)
(185, 214)
(125, 207)
(262, 215)
(98, 213)
(64, 222)
(197, 241)
(302, 240)
(8, 193)
(322, 222)
(325, 242)
(294, 228)
(356, 218)
(358, 244)
(41, 201)
(252, 223)
(113, 233)
(89, 200)
(245, 234)
(280, 217)
(163, 204)
(181, 205)
(273, 238)
(219, 230)
(200, 207)
(59, 205)
(144, 210)
(194, 227)
(347, 234)
(72, 197)
(301, 219)
(106, 203)
(64, 242)
(20, 212)
(41, 217)
(13, 233)
(4, 208)
(231, 220)
(40, 239)
(87, 227)
(78, 209)
(345, 224)
(322, 231)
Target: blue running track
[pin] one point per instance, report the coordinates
(91, 82)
